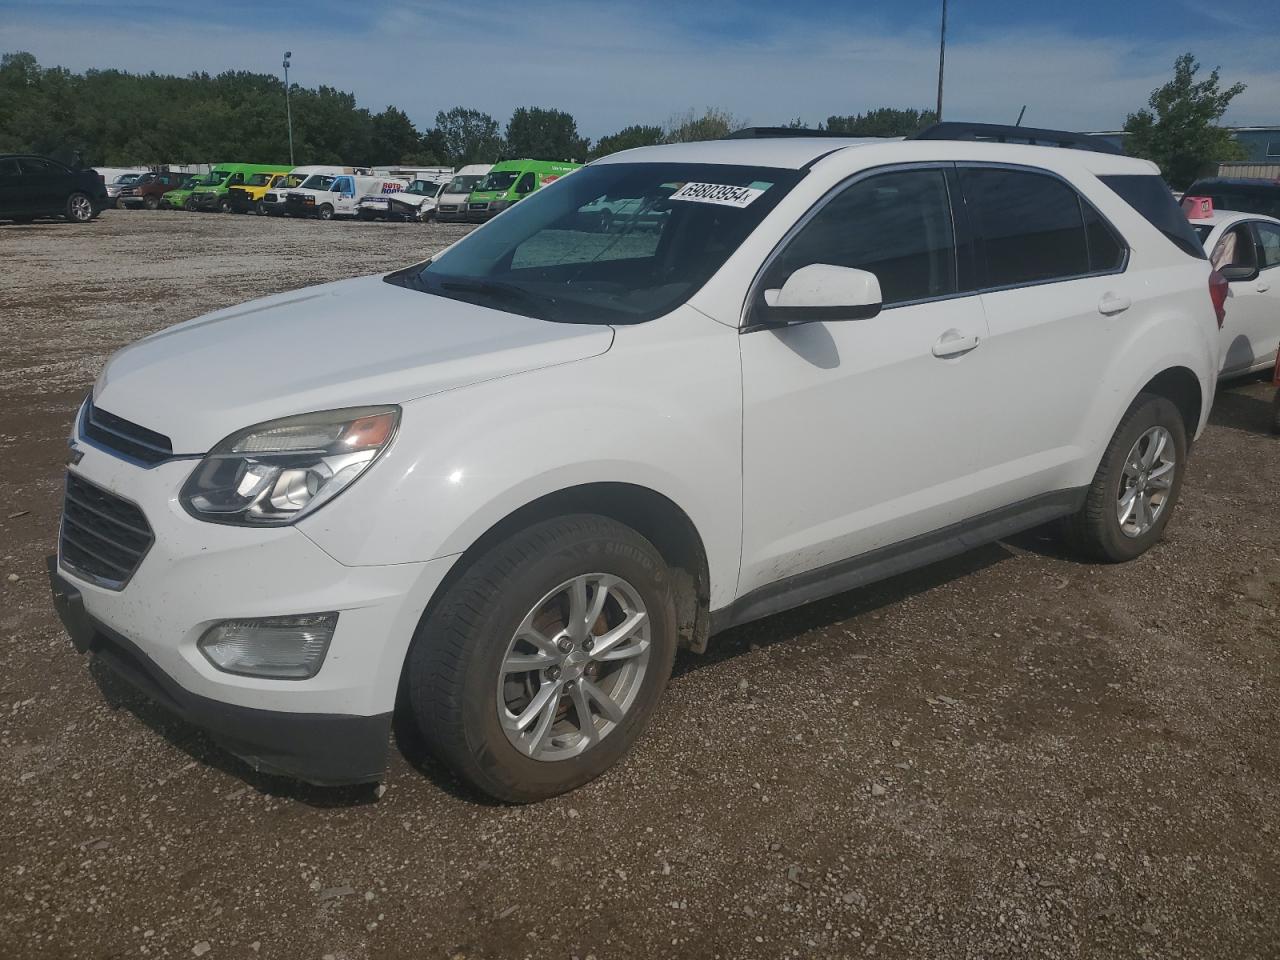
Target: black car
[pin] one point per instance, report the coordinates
(33, 187)
(1240, 194)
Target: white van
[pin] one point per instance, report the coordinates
(273, 201)
(451, 205)
(417, 201)
(326, 197)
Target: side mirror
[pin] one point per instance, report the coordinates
(1233, 274)
(822, 291)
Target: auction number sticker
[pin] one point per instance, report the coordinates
(721, 193)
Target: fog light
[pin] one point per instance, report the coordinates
(282, 648)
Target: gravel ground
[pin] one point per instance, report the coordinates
(1007, 755)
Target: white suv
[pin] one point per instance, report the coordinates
(507, 483)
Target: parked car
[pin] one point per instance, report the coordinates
(149, 189)
(507, 482)
(118, 184)
(511, 181)
(176, 199)
(248, 196)
(451, 205)
(330, 197)
(1245, 249)
(417, 201)
(212, 193)
(1241, 194)
(273, 201)
(32, 187)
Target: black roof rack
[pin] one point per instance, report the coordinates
(999, 133)
(773, 133)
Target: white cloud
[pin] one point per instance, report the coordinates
(611, 66)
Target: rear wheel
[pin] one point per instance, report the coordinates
(1136, 486)
(325, 212)
(151, 203)
(79, 208)
(542, 664)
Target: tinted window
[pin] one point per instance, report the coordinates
(1150, 196)
(896, 225)
(9, 168)
(526, 184)
(1106, 251)
(36, 165)
(1269, 235)
(1031, 226)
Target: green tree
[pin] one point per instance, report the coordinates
(714, 124)
(883, 122)
(468, 136)
(626, 139)
(544, 135)
(394, 137)
(1180, 131)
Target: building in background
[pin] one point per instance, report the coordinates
(1261, 146)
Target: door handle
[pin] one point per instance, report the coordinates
(953, 343)
(1263, 286)
(1110, 304)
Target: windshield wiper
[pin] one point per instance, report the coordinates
(502, 291)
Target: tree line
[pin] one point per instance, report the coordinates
(114, 118)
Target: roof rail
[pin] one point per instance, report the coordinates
(773, 133)
(1001, 133)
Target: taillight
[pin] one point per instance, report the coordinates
(1218, 294)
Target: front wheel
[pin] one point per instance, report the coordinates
(542, 664)
(79, 208)
(189, 206)
(151, 203)
(325, 212)
(1136, 486)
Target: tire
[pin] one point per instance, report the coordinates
(80, 208)
(224, 205)
(259, 209)
(151, 203)
(325, 212)
(189, 206)
(1152, 423)
(457, 656)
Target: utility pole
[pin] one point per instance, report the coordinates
(288, 110)
(942, 57)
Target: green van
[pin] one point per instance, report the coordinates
(210, 192)
(510, 181)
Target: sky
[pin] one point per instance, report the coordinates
(1083, 64)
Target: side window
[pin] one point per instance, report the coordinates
(342, 185)
(235, 179)
(1269, 238)
(895, 225)
(1030, 224)
(34, 165)
(1106, 251)
(1235, 249)
(9, 168)
(526, 184)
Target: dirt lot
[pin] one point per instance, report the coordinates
(1009, 755)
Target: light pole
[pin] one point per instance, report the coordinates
(288, 111)
(942, 57)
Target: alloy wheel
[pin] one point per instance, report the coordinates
(81, 208)
(1146, 481)
(574, 667)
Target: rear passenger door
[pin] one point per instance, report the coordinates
(1056, 299)
(46, 184)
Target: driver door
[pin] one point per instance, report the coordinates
(1248, 335)
(863, 434)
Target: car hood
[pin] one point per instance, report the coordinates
(343, 344)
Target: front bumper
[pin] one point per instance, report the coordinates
(321, 748)
(206, 201)
(196, 574)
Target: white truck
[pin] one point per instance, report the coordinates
(273, 201)
(451, 205)
(326, 197)
(417, 202)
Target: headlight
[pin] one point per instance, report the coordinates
(276, 472)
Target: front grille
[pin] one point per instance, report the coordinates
(448, 207)
(270, 198)
(123, 437)
(104, 537)
(477, 206)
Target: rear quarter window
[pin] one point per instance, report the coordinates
(1151, 197)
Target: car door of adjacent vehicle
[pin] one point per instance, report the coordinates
(1268, 284)
(862, 434)
(1246, 339)
(1057, 300)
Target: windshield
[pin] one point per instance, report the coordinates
(213, 179)
(500, 180)
(318, 181)
(127, 177)
(424, 188)
(463, 184)
(190, 181)
(615, 243)
(259, 179)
